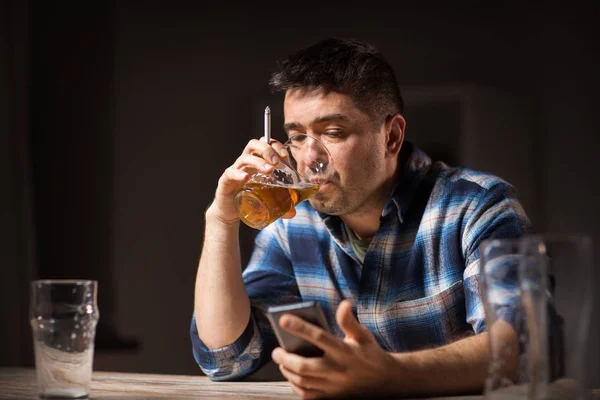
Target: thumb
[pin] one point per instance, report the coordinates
(349, 324)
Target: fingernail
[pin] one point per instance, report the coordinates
(285, 323)
(275, 354)
(267, 166)
(275, 159)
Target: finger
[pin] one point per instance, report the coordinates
(279, 148)
(290, 214)
(349, 324)
(248, 161)
(263, 150)
(307, 393)
(232, 179)
(305, 366)
(304, 382)
(314, 334)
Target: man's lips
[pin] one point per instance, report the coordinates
(318, 181)
(324, 185)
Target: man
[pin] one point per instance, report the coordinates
(399, 235)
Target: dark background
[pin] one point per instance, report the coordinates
(117, 119)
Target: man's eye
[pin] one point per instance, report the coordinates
(333, 134)
(296, 138)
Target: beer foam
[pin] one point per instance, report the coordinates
(63, 373)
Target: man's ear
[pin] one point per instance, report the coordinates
(394, 126)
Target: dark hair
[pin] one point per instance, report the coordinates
(347, 66)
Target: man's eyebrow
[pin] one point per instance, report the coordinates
(291, 125)
(325, 118)
(330, 117)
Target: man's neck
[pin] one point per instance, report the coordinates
(365, 225)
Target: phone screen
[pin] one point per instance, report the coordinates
(311, 312)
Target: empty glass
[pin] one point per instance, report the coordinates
(63, 315)
(537, 289)
(501, 292)
(568, 261)
(266, 197)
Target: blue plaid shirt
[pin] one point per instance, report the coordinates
(418, 286)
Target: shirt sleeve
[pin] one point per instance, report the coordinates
(496, 214)
(269, 280)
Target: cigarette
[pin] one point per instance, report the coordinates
(267, 125)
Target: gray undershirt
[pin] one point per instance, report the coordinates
(359, 246)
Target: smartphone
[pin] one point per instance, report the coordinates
(309, 311)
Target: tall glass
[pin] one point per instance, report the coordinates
(267, 197)
(568, 261)
(539, 287)
(513, 348)
(63, 315)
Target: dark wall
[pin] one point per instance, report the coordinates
(71, 145)
(137, 110)
(17, 255)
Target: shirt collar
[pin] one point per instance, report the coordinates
(414, 164)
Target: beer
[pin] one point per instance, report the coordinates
(259, 204)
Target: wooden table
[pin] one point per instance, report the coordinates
(20, 383)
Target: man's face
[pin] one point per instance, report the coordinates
(356, 146)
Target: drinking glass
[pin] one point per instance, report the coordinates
(63, 315)
(266, 197)
(538, 286)
(567, 258)
(501, 293)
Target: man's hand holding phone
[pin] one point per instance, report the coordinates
(347, 366)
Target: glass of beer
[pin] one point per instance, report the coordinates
(266, 197)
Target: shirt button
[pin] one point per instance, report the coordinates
(365, 303)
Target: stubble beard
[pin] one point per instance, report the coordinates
(327, 206)
(337, 203)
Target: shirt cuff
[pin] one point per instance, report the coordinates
(213, 358)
